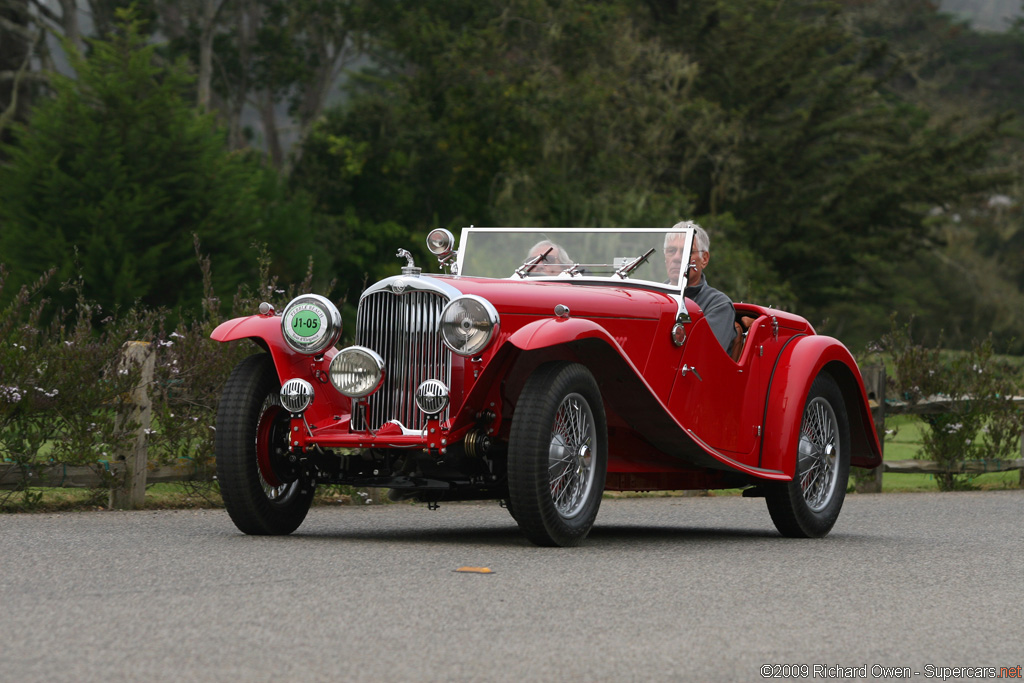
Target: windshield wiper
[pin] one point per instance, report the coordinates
(625, 270)
(530, 264)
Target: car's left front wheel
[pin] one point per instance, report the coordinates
(558, 455)
(263, 493)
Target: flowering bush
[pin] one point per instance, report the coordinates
(979, 419)
(61, 390)
(64, 392)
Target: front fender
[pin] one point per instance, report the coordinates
(249, 327)
(803, 359)
(265, 331)
(553, 331)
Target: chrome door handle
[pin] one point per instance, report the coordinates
(687, 368)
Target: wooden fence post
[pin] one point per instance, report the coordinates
(874, 383)
(130, 492)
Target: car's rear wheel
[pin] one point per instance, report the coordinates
(263, 492)
(808, 506)
(558, 455)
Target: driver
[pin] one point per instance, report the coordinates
(554, 263)
(717, 307)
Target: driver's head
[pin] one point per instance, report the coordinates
(555, 261)
(698, 256)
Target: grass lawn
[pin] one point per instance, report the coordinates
(903, 442)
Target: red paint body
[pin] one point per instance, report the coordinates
(726, 424)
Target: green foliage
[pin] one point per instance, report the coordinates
(795, 132)
(118, 172)
(982, 422)
(65, 393)
(845, 156)
(60, 386)
(828, 170)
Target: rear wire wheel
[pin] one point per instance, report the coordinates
(263, 493)
(808, 506)
(558, 455)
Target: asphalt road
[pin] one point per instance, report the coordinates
(680, 589)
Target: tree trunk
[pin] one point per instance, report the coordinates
(207, 30)
(270, 133)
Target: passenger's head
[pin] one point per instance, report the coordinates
(555, 260)
(699, 255)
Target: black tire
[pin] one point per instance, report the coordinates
(262, 493)
(557, 469)
(808, 506)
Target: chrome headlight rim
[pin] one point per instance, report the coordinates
(369, 361)
(311, 324)
(483, 318)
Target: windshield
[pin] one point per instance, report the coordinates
(642, 255)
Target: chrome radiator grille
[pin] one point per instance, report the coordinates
(402, 328)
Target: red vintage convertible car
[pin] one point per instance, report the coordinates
(540, 382)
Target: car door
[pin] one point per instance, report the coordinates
(717, 399)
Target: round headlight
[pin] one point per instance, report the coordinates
(468, 324)
(440, 242)
(357, 371)
(311, 324)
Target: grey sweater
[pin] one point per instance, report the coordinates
(717, 308)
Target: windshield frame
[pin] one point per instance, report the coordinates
(471, 238)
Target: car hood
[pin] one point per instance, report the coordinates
(590, 300)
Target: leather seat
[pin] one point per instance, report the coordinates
(743, 323)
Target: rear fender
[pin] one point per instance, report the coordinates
(798, 365)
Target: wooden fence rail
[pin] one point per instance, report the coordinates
(98, 475)
(874, 382)
(129, 474)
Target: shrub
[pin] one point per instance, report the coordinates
(981, 421)
(61, 388)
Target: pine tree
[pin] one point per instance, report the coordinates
(112, 177)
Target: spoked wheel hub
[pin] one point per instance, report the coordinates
(558, 454)
(570, 455)
(816, 464)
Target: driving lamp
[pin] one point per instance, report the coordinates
(440, 242)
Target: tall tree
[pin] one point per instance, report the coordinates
(778, 125)
(831, 170)
(281, 59)
(18, 38)
(118, 172)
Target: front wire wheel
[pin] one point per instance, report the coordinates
(558, 455)
(261, 492)
(808, 506)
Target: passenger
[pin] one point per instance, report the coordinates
(716, 306)
(553, 263)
